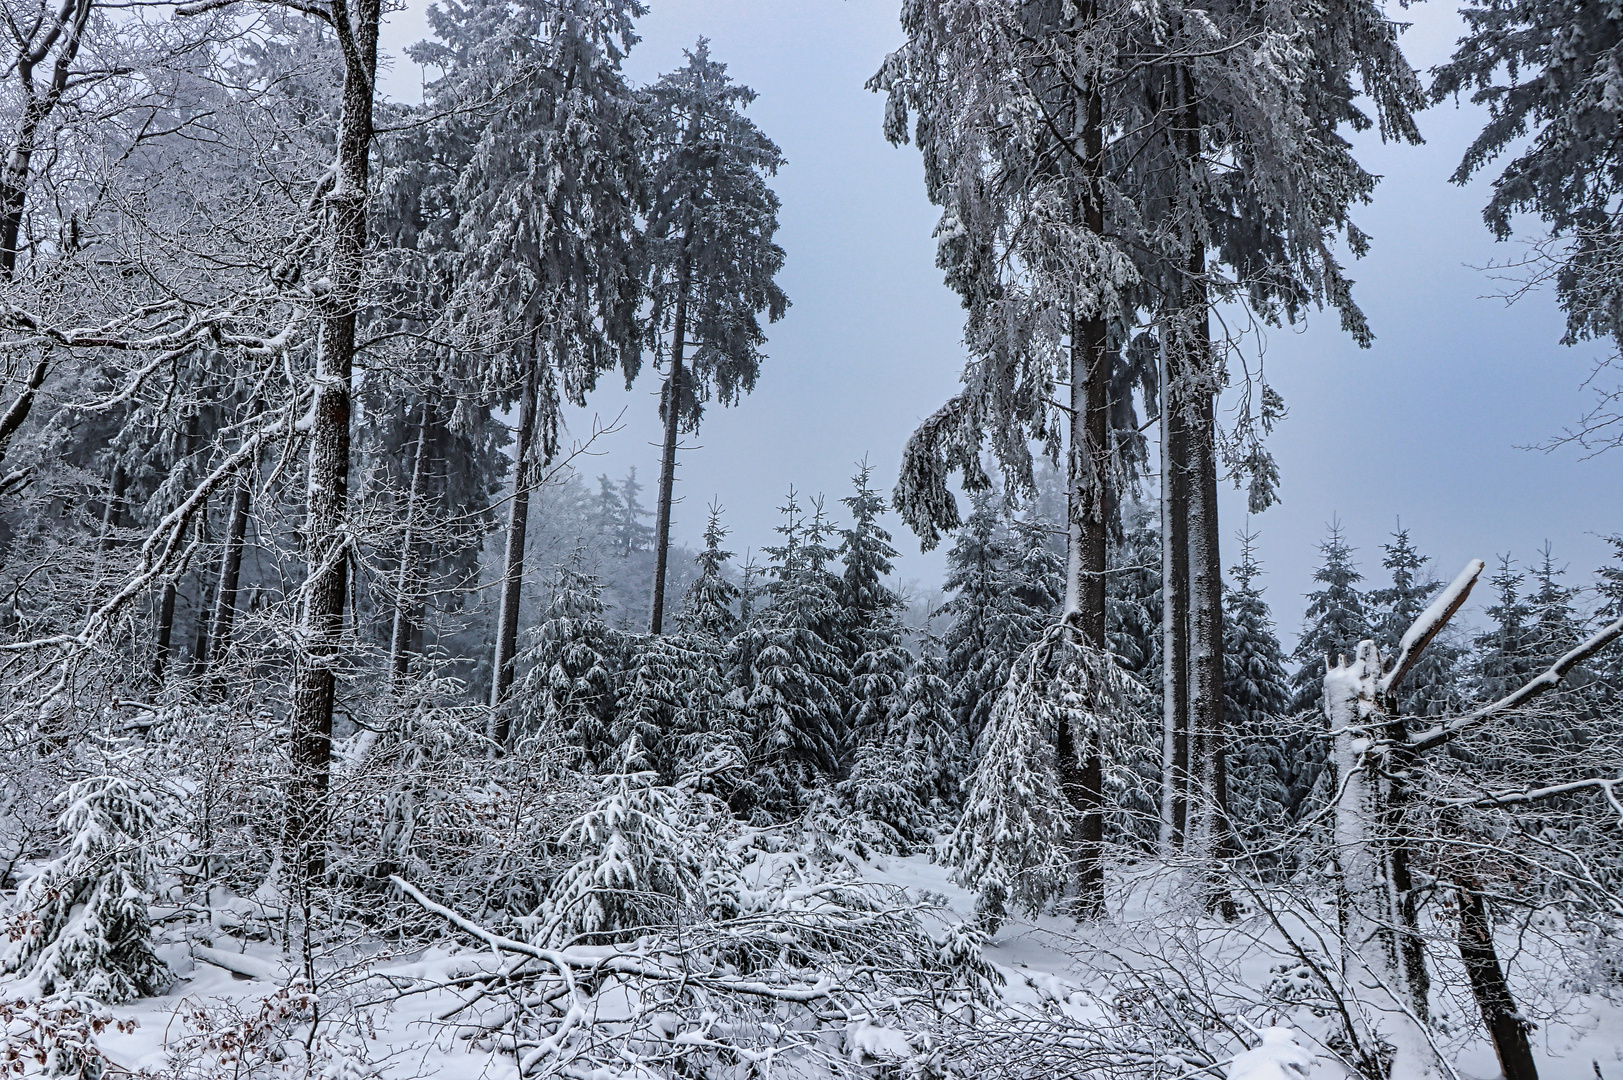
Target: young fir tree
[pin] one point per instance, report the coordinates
(865, 553)
(626, 527)
(1504, 656)
(871, 627)
(927, 729)
(1609, 589)
(569, 690)
(1256, 697)
(794, 681)
(82, 923)
(1431, 688)
(975, 566)
(658, 687)
(710, 734)
(1556, 629)
(711, 604)
(1334, 624)
(711, 258)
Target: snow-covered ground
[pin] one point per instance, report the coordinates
(224, 1014)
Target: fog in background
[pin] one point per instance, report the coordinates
(1428, 425)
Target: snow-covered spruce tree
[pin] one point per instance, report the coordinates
(865, 553)
(643, 862)
(1008, 583)
(711, 604)
(1256, 696)
(711, 258)
(877, 678)
(1022, 841)
(80, 925)
(793, 681)
(871, 629)
(568, 690)
(1527, 633)
(1431, 688)
(659, 685)
(546, 205)
(932, 740)
(1333, 625)
(975, 564)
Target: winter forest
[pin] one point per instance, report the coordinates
(382, 697)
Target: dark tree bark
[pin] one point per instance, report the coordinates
(65, 33)
(165, 634)
(502, 669)
(667, 464)
(225, 594)
(1081, 766)
(67, 27)
(1174, 611)
(327, 494)
(112, 513)
(1488, 986)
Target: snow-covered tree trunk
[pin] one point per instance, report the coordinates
(327, 544)
(667, 463)
(1367, 841)
(502, 668)
(1080, 767)
(400, 631)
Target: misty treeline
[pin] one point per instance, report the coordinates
(322, 662)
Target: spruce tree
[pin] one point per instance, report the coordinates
(1504, 656)
(1333, 626)
(574, 655)
(927, 728)
(974, 577)
(794, 681)
(866, 553)
(1334, 623)
(1431, 688)
(1256, 696)
(546, 206)
(87, 928)
(711, 604)
(712, 262)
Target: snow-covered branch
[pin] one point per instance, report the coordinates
(1454, 727)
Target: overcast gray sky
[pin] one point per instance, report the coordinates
(1425, 426)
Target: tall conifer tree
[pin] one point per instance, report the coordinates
(712, 261)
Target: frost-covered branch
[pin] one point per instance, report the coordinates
(1451, 729)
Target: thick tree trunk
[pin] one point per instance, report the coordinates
(1081, 766)
(327, 494)
(1505, 1025)
(667, 463)
(1174, 610)
(400, 632)
(1207, 833)
(225, 595)
(502, 669)
(164, 651)
(165, 633)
